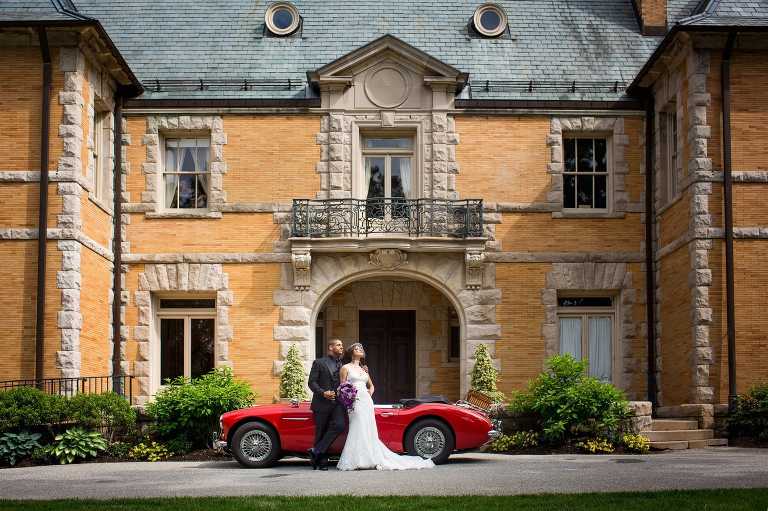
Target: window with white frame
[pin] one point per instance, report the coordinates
(186, 338)
(585, 173)
(586, 326)
(388, 178)
(102, 170)
(670, 152)
(186, 173)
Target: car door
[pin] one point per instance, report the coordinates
(296, 428)
(387, 423)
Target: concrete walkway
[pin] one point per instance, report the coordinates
(482, 474)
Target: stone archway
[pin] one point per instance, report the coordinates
(475, 306)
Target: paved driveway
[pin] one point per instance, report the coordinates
(483, 474)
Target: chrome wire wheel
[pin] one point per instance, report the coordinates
(256, 445)
(429, 442)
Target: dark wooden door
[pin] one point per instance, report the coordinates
(389, 338)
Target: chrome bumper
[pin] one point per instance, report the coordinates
(493, 435)
(221, 445)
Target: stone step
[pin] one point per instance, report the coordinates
(679, 435)
(717, 442)
(673, 424)
(675, 446)
(678, 411)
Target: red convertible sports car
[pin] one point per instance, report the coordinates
(259, 436)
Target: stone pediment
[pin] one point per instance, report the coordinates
(387, 74)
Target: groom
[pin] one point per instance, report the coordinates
(329, 413)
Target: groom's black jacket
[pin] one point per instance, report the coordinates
(323, 376)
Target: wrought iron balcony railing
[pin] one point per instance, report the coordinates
(333, 218)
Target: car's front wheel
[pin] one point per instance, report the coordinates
(430, 438)
(256, 445)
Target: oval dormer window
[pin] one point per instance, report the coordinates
(282, 18)
(490, 20)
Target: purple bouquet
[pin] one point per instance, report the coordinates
(347, 395)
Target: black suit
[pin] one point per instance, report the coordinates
(329, 415)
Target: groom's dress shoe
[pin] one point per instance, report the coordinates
(313, 458)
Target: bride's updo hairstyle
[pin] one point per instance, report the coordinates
(348, 354)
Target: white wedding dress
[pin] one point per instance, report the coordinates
(363, 449)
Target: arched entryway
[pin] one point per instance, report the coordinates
(410, 331)
(475, 308)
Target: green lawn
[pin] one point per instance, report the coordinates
(655, 501)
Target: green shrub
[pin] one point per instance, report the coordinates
(109, 412)
(189, 410)
(41, 456)
(16, 446)
(151, 451)
(636, 443)
(571, 404)
(26, 407)
(292, 379)
(118, 449)
(484, 375)
(515, 441)
(77, 443)
(595, 445)
(750, 416)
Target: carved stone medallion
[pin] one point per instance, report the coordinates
(388, 258)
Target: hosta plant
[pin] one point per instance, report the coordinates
(16, 446)
(151, 451)
(77, 443)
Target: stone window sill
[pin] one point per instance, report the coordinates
(587, 214)
(184, 214)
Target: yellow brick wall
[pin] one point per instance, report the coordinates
(718, 372)
(232, 233)
(19, 205)
(749, 205)
(749, 108)
(97, 223)
(18, 276)
(751, 280)
(503, 159)
(541, 232)
(136, 155)
(96, 281)
(21, 75)
(252, 317)
(271, 158)
(676, 332)
(521, 315)
(674, 221)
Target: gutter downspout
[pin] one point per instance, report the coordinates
(650, 275)
(725, 90)
(42, 221)
(117, 245)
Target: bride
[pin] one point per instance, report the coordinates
(363, 449)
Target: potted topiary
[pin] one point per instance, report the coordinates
(485, 375)
(292, 379)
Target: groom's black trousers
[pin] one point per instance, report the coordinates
(329, 424)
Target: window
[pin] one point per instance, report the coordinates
(490, 20)
(101, 169)
(585, 176)
(388, 175)
(282, 18)
(455, 342)
(586, 331)
(670, 152)
(185, 176)
(187, 338)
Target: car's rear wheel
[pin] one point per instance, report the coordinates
(256, 445)
(430, 438)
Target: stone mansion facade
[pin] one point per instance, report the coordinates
(218, 181)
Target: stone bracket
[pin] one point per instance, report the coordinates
(301, 260)
(473, 264)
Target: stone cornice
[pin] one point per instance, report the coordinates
(24, 233)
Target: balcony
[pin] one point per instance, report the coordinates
(361, 218)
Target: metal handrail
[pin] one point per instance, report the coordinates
(331, 218)
(122, 385)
